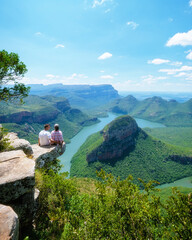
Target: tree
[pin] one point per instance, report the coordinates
(11, 70)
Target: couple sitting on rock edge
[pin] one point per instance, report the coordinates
(54, 138)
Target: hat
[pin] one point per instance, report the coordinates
(56, 125)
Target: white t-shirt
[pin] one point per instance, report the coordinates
(44, 137)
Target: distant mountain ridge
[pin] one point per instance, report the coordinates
(84, 96)
(157, 109)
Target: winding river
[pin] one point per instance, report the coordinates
(80, 138)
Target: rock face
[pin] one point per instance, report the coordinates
(118, 137)
(17, 182)
(9, 223)
(17, 175)
(29, 117)
(18, 143)
(46, 154)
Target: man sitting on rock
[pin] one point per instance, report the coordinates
(45, 136)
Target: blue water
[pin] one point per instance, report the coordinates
(80, 138)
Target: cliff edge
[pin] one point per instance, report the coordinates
(118, 137)
(17, 180)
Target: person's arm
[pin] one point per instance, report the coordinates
(38, 141)
(61, 137)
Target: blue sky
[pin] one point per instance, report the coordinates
(135, 45)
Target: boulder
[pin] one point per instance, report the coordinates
(9, 223)
(17, 175)
(18, 143)
(46, 154)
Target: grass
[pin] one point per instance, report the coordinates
(179, 136)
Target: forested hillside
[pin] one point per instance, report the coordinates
(145, 158)
(28, 119)
(170, 113)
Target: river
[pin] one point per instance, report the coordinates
(80, 138)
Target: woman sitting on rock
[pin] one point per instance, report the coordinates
(56, 136)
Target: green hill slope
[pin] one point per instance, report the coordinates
(170, 113)
(28, 119)
(144, 158)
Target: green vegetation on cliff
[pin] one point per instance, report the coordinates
(179, 136)
(108, 209)
(148, 159)
(28, 119)
(170, 113)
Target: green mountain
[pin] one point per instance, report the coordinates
(122, 148)
(170, 113)
(79, 96)
(28, 119)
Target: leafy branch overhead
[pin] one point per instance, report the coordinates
(12, 70)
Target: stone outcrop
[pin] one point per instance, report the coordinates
(17, 175)
(180, 159)
(9, 223)
(29, 117)
(118, 137)
(17, 179)
(18, 143)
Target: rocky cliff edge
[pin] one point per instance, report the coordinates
(17, 182)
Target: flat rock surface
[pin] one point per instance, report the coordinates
(17, 175)
(15, 165)
(9, 223)
(38, 151)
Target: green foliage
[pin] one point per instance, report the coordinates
(121, 121)
(54, 198)
(43, 110)
(11, 68)
(174, 135)
(4, 142)
(156, 109)
(147, 160)
(114, 210)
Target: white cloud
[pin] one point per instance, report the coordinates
(51, 76)
(73, 79)
(98, 3)
(190, 3)
(133, 25)
(108, 10)
(59, 46)
(158, 61)
(177, 63)
(173, 71)
(107, 77)
(189, 56)
(183, 39)
(77, 76)
(38, 34)
(105, 56)
(150, 79)
(181, 74)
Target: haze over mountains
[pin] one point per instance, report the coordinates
(54, 105)
(83, 96)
